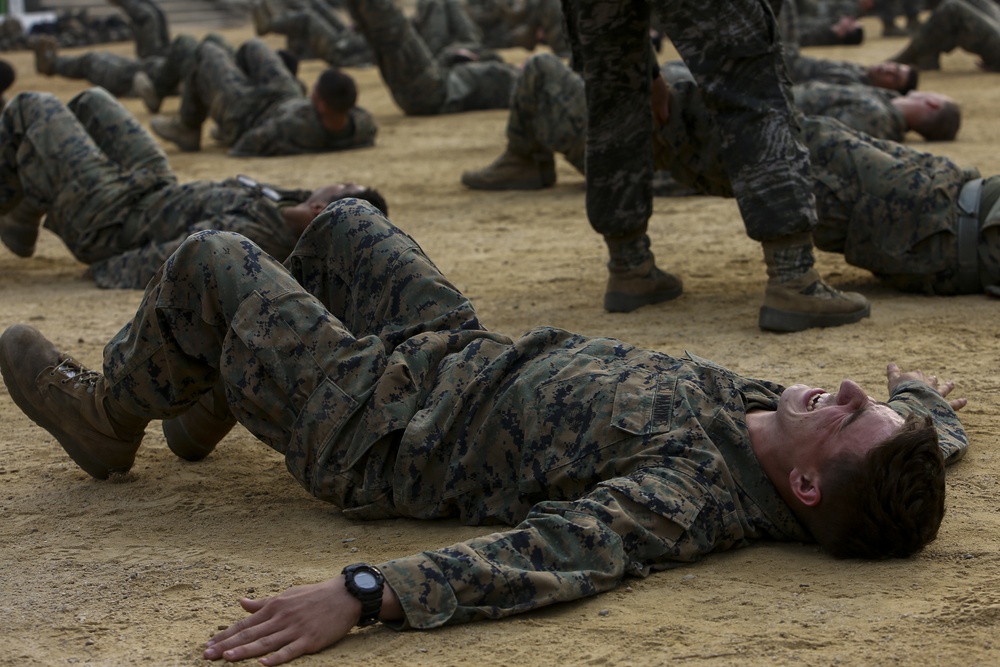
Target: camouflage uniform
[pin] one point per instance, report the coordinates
(109, 192)
(734, 51)
(441, 23)
(806, 68)
(973, 25)
(372, 375)
(865, 108)
(115, 73)
(507, 24)
(815, 17)
(886, 232)
(419, 84)
(259, 107)
(316, 32)
(149, 26)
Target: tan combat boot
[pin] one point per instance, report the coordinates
(513, 172)
(193, 435)
(188, 139)
(45, 55)
(633, 277)
(70, 402)
(796, 298)
(19, 229)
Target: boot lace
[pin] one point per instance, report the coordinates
(77, 374)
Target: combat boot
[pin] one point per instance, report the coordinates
(19, 229)
(188, 139)
(633, 277)
(143, 88)
(513, 172)
(46, 52)
(796, 298)
(70, 402)
(194, 434)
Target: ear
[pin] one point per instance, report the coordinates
(804, 488)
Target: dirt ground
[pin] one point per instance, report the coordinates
(144, 571)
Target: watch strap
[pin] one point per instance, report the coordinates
(370, 598)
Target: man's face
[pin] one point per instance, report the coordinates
(820, 425)
(893, 76)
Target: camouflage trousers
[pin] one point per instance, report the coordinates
(548, 111)
(149, 27)
(115, 73)
(441, 23)
(415, 80)
(301, 348)
(972, 25)
(309, 36)
(734, 52)
(83, 163)
(110, 71)
(419, 83)
(234, 89)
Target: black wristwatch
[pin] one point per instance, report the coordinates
(365, 583)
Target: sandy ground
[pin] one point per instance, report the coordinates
(144, 571)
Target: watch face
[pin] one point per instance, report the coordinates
(365, 580)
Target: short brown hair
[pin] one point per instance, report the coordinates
(943, 124)
(890, 503)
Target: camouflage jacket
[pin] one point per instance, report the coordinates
(805, 68)
(292, 127)
(611, 460)
(149, 229)
(865, 108)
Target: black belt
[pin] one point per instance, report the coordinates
(968, 236)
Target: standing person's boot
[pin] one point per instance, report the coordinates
(193, 435)
(633, 278)
(70, 402)
(19, 228)
(796, 298)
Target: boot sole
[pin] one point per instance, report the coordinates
(616, 302)
(87, 461)
(772, 319)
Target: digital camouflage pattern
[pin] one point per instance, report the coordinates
(441, 23)
(149, 26)
(548, 111)
(371, 373)
(259, 105)
(888, 208)
(312, 34)
(806, 68)
(115, 73)
(108, 70)
(972, 25)
(862, 107)
(419, 84)
(733, 50)
(108, 189)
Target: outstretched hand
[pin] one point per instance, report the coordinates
(303, 619)
(897, 377)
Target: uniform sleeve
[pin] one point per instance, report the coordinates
(651, 520)
(293, 136)
(917, 397)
